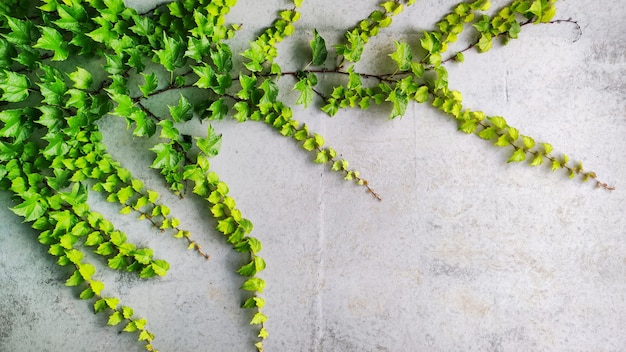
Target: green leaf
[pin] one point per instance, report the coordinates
(353, 51)
(306, 92)
(484, 43)
(421, 94)
(218, 109)
(96, 287)
(99, 306)
(242, 111)
(210, 145)
(518, 155)
(13, 124)
(130, 327)
(86, 270)
(127, 312)
(248, 84)
(402, 56)
(152, 82)
(118, 262)
(255, 245)
(166, 157)
(268, 99)
(172, 55)
(82, 78)
(318, 47)
(256, 56)
(112, 302)
(160, 267)
(52, 40)
(143, 255)
(547, 147)
(87, 293)
(430, 42)
(258, 318)
(74, 280)
(529, 143)
(115, 318)
(537, 160)
(498, 121)
(183, 111)
(222, 58)
(226, 226)
(32, 208)
(144, 25)
(14, 85)
(400, 101)
(21, 33)
(253, 284)
(118, 238)
(488, 133)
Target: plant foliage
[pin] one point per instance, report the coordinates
(52, 154)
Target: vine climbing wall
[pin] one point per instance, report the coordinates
(445, 238)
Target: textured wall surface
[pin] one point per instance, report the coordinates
(464, 253)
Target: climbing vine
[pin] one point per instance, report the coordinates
(65, 65)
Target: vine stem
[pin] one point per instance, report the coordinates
(522, 24)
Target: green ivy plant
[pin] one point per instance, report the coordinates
(67, 64)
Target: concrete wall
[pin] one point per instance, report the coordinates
(464, 253)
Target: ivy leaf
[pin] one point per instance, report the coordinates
(402, 56)
(53, 92)
(82, 78)
(498, 121)
(254, 284)
(222, 58)
(14, 86)
(70, 17)
(32, 208)
(183, 111)
(143, 255)
(258, 318)
(484, 43)
(306, 92)
(144, 26)
(268, 99)
(518, 155)
(12, 123)
(160, 267)
(86, 271)
(537, 160)
(430, 42)
(218, 109)
(256, 56)
(318, 47)
(421, 94)
(400, 101)
(152, 82)
(243, 111)
(255, 245)
(166, 156)
(74, 280)
(144, 126)
(210, 145)
(172, 55)
(22, 32)
(353, 51)
(115, 318)
(51, 39)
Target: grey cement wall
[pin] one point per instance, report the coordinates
(464, 253)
